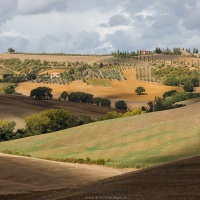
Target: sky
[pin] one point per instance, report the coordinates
(98, 26)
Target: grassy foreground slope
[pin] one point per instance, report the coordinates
(147, 139)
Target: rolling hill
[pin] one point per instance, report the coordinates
(29, 174)
(177, 180)
(148, 139)
(17, 107)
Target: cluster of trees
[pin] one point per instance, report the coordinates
(44, 122)
(54, 120)
(176, 76)
(195, 50)
(175, 51)
(168, 100)
(11, 78)
(167, 51)
(41, 93)
(124, 54)
(28, 69)
(6, 130)
(81, 97)
(10, 89)
(58, 119)
(113, 115)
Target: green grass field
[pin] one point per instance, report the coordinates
(145, 140)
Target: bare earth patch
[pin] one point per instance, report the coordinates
(23, 174)
(173, 181)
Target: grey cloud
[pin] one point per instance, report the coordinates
(7, 9)
(116, 20)
(179, 8)
(120, 40)
(164, 25)
(11, 8)
(192, 22)
(28, 7)
(18, 43)
(83, 42)
(85, 5)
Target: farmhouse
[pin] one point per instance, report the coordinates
(55, 75)
(144, 52)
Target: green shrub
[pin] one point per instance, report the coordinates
(133, 112)
(169, 93)
(81, 160)
(111, 115)
(181, 96)
(7, 151)
(188, 87)
(121, 104)
(54, 120)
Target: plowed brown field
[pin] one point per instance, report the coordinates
(16, 108)
(22, 174)
(174, 181)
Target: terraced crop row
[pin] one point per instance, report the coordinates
(99, 82)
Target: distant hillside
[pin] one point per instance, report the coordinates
(147, 139)
(16, 108)
(58, 58)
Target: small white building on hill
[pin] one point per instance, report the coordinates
(55, 75)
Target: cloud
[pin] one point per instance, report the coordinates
(27, 7)
(116, 20)
(7, 9)
(18, 42)
(192, 22)
(95, 26)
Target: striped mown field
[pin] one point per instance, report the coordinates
(147, 139)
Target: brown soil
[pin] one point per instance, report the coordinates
(179, 180)
(16, 108)
(23, 174)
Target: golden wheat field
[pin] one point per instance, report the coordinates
(120, 89)
(87, 59)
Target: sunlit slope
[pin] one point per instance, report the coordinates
(146, 139)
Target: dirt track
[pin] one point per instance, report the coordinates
(174, 181)
(16, 108)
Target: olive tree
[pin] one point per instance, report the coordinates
(140, 90)
(41, 93)
(121, 104)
